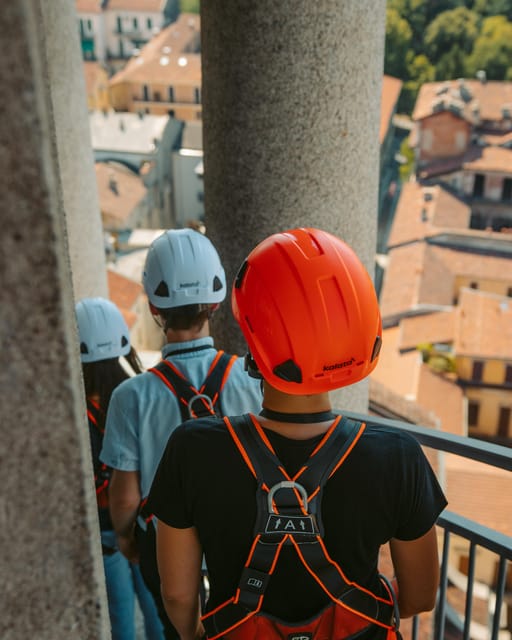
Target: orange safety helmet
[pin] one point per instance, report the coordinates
(309, 312)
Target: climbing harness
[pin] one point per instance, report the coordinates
(289, 513)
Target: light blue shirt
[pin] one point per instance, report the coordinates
(143, 411)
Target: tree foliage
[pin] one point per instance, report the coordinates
(189, 6)
(430, 40)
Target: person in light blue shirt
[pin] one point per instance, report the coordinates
(185, 283)
(104, 345)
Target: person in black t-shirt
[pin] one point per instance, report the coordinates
(308, 310)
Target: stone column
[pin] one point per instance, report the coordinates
(66, 84)
(52, 576)
(291, 107)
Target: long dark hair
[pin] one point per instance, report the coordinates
(103, 376)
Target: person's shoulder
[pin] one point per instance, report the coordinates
(387, 438)
(134, 384)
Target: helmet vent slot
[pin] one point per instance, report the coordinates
(376, 348)
(288, 371)
(124, 341)
(162, 290)
(83, 348)
(217, 284)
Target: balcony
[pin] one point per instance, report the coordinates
(449, 622)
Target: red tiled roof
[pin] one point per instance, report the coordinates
(88, 6)
(116, 206)
(144, 6)
(124, 293)
(489, 98)
(484, 325)
(421, 211)
(390, 93)
(491, 159)
(432, 328)
(162, 59)
(420, 275)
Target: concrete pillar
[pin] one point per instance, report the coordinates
(66, 84)
(291, 107)
(52, 576)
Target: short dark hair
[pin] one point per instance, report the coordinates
(190, 316)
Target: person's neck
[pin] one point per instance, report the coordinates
(185, 335)
(296, 417)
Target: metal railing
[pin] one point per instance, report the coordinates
(475, 534)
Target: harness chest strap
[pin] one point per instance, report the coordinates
(194, 402)
(101, 470)
(289, 513)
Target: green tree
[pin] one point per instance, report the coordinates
(451, 35)
(493, 49)
(398, 43)
(494, 8)
(189, 6)
(420, 70)
(415, 12)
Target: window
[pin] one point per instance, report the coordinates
(473, 411)
(119, 25)
(509, 292)
(503, 422)
(157, 96)
(135, 23)
(89, 25)
(149, 23)
(508, 374)
(197, 96)
(506, 192)
(145, 92)
(478, 370)
(473, 285)
(478, 185)
(171, 94)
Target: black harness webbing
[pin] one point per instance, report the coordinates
(102, 473)
(197, 403)
(289, 512)
(193, 403)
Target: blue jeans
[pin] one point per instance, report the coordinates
(124, 582)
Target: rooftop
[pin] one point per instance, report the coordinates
(128, 132)
(422, 211)
(478, 101)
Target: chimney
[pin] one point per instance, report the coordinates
(481, 75)
(112, 183)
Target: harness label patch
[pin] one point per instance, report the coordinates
(289, 524)
(303, 635)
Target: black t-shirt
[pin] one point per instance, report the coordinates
(384, 489)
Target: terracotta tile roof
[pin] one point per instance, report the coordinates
(498, 140)
(421, 211)
(489, 98)
(170, 70)
(491, 159)
(124, 293)
(390, 93)
(119, 190)
(88, 6)
(382, 397)
(397, 371)
(168, 58)
(422, 276)
(433, 328)
(441, 395)
(484, 325)
(471, 485)
(144, 6)
(404, 375)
